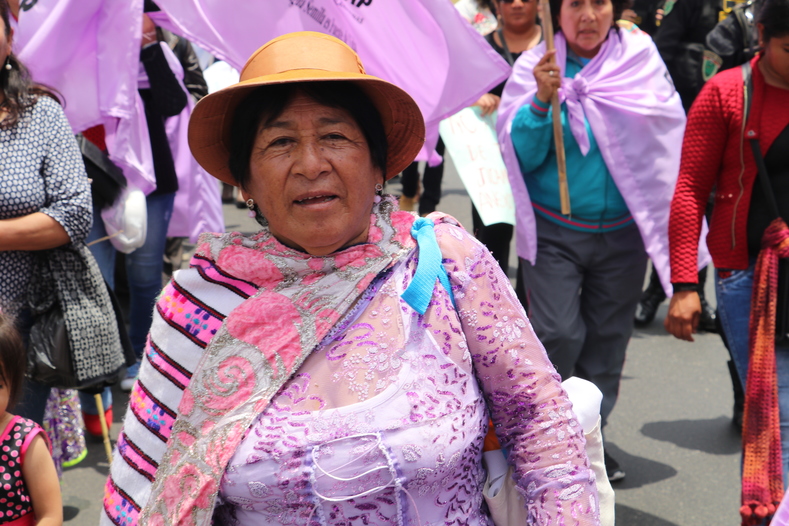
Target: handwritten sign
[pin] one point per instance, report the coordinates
(470, 140)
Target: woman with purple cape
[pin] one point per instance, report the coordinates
(622, 123)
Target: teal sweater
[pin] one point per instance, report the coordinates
(594, 198)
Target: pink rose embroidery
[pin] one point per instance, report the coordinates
(203, 249)
(186, 439)
(222, 448)
(208, 426)
(187, 491)
(356, 256)
(249, 265)
(402, 222)
(374, 234)
(187, 403)
(325, 320)
(229, 386)
(268, 321)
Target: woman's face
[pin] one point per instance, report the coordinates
(518, 14)
(776, 53)
(312, 176)
(585, 24)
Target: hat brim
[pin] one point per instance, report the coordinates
(212, 118)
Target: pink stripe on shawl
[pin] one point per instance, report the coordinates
(150, 412)
(135, 458)
(118, 506)
(194, 319)
(214, 274)
(168, 367)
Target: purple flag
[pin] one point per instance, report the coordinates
(422, 46)
(89, 51)
(198, 204)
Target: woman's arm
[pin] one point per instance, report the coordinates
(67, 213)
(531, 412)
(532, 127)
(703, 148)
(36, 231)
(41, 480)
(532, 133)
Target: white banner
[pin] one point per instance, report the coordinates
(470, 140)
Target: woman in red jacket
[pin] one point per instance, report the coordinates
(716, 154)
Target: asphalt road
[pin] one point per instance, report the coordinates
(671, 429)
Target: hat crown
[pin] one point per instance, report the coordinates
(303, 50)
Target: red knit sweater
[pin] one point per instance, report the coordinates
(716, 153)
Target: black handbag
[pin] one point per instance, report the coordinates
(48, 353)
(782, 299)
(77, 338)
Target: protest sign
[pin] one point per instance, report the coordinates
(470, 140)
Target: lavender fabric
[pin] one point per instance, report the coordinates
(89, 51)
(626, 95)
(422, 46)
(198, 204)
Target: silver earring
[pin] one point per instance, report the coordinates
(255, 214)
(379, 188)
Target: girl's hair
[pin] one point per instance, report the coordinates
(556, 6)
(774, 16)
(482, 4)
(13, 360)
(19, 90)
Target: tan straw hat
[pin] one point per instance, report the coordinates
(304, 57)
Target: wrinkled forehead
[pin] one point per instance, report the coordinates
(302, 109)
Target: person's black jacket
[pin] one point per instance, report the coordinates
(193, 76)
(163, 99)
(645, 11)
(680, 41)
(735, 40)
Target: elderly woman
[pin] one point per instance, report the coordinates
(622, 123)
(329, 369)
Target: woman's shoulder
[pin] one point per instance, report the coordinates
(43, 112)
(46, 105)
(727, 80)
(634, 42)
(723, 93)
(210, 244)
(455, 242)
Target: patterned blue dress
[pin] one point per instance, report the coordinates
(42, 171)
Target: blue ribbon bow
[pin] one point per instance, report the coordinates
(428, 269)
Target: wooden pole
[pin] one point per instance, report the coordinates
(105, 432)
(558, 139)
